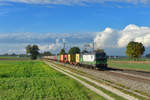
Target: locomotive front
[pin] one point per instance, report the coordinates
(101, 60)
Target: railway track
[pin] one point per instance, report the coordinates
(138, 75)
(133, 81)
(132, 74)
(109, 88)
(142, 75)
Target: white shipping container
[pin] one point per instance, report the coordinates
(89, 58)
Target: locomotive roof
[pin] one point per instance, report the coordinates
(93, 53)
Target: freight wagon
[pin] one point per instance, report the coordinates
(65, 58)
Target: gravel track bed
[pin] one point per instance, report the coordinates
(132, 83)
(141, 73)
(131, 77)
(147, 78)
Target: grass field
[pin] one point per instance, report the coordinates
(33, 80)
(13, 58)
(129, 59)
(134, 66)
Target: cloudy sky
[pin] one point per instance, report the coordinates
(111, 24)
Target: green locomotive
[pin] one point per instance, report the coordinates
(94, 60)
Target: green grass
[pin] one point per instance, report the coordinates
(132, 66)
(34, 80)
(129, 59)
(12, 58)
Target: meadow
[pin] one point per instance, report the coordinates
(34, 80)
(129, 59)
(140, 64)
(13, 58)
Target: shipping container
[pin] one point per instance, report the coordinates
(66, 58)
(72, 58)
(61, 58)
(77, 58)
(69, 58)
(58, 58)
(50, 57)
(53, 57)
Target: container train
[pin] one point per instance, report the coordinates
(94, 60)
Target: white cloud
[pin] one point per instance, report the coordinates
(135, 33)
(5, 4)
(53, 47)
(71, 2)
(11, 42)
(20, 50)
(108, 39)
(120, 38)
(45, 37)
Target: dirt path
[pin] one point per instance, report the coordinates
(119, 93)
(83, 83)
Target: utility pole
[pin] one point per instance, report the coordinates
(93, 46)
(64, 45)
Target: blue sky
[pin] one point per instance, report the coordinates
(48, 23)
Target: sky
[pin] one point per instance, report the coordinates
(110, 24)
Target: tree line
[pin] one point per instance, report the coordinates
(134, 50)
(33, 51)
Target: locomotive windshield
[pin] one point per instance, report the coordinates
(100, 56)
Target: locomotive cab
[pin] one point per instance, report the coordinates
(101, 60)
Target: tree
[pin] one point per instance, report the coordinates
(28, 49)
(33, 51)
(62, 52)
(13, 54)
(135, 49)
(47, 53)
(148, 55)
(100, 50)
(74, 50)
(84, 51)
(6, 54)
